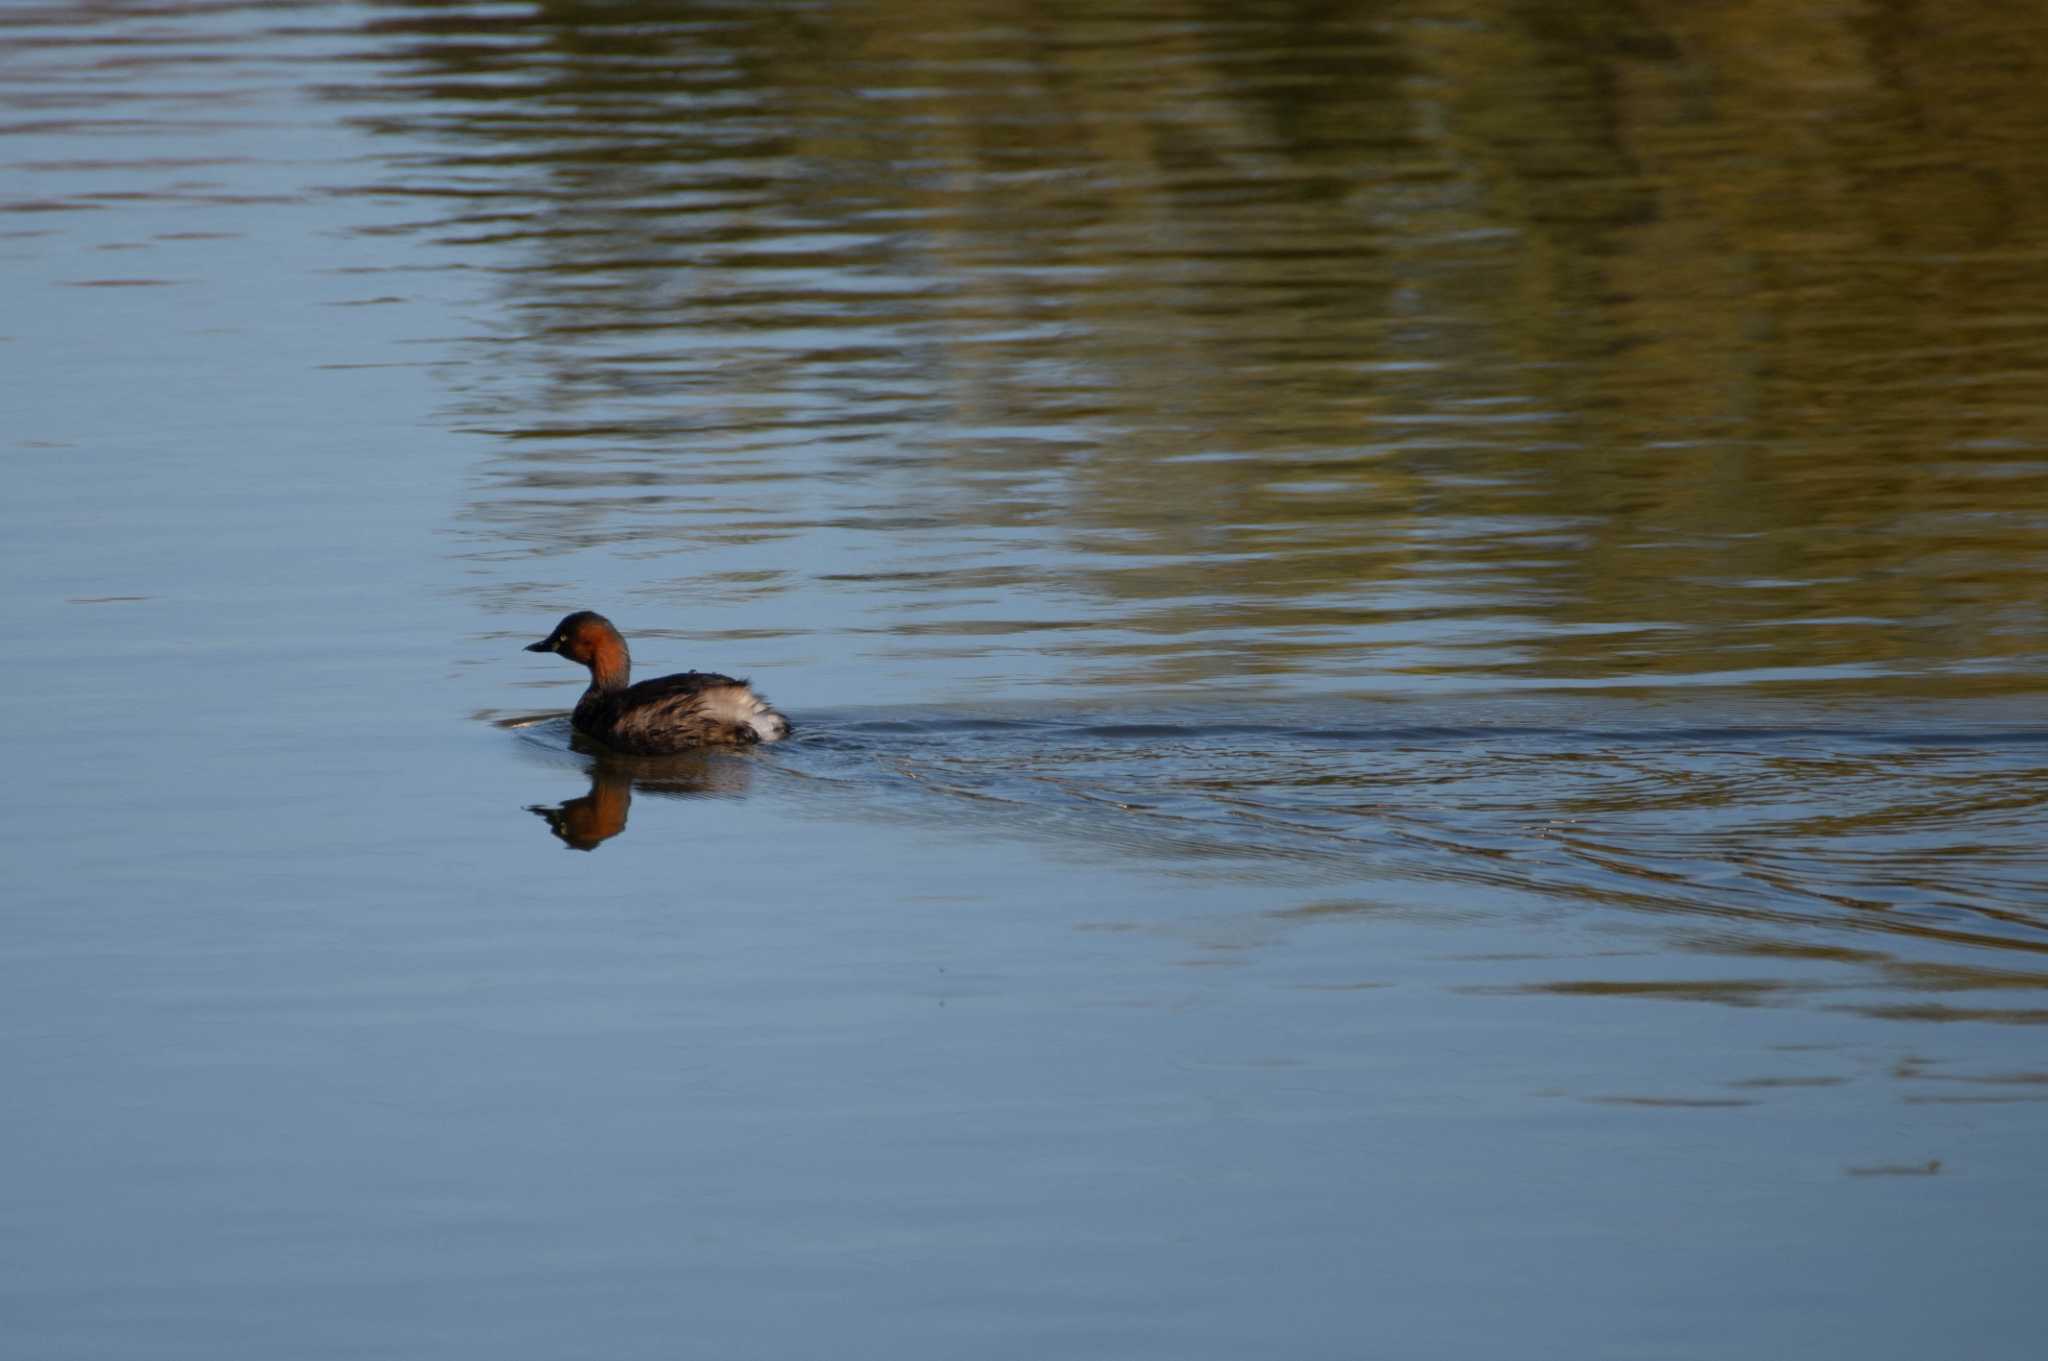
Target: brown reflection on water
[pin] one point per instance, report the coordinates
(1833, 283)
(588, 821)
(584, 824)
(1607, 343)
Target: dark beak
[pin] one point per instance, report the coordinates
(544, 645)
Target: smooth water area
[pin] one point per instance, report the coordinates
(1416, 631)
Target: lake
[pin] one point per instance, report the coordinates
(1416, 632)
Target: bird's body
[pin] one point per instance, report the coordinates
(668, 714)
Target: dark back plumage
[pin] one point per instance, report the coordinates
(659, 716)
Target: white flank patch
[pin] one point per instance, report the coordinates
(738, 704)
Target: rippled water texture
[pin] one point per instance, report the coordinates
(1416, 630)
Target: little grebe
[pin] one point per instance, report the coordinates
(672, 713)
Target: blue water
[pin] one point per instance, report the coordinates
(1415, 736)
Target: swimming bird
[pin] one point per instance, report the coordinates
(671, 713)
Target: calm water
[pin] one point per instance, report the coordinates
(1417, 628)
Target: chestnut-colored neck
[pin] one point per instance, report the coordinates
(609, 663)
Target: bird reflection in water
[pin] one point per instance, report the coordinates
(585, 823)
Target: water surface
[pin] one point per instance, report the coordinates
(1416, 631)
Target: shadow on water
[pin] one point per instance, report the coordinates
(587, 822)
